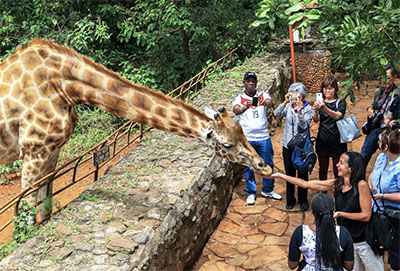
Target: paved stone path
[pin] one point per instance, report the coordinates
(257, 237)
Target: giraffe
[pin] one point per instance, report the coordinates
(42, 82)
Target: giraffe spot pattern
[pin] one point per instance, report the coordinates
(30, 60)
(17, 91)
(5, 137)
(115, 105)
(29, 98)
(34, 133)
(40, 76)
(56, 126)
(16, 71)
(42, 108)
(178, 115)
(43, 53)
(27, 81)
(118, 87)
(4, 90)
(53, 62)
(161, 111)
(141, 101)
(12, 109)
(92, 79)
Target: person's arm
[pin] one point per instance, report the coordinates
(294, 248)
(267, 100)
(371, 186)
(237, 109)
(347, 254)
(365, 204)
(305, 116)
(316, 112)
(388, 196)
(336, 115)
(281, 110)
(321, 186)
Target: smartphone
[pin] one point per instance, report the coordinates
(255, 101)
(318, 97)
(294, 97)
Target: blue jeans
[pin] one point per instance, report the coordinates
(264, 149)
(370, 145)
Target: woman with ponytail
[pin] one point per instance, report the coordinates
(324, 246)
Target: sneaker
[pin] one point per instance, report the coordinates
(251, 199)
(271, 194)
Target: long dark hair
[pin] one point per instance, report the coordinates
(357, 164)
(327, 251)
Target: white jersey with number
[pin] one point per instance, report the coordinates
(254, 120)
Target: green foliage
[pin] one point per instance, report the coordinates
(23, 222)
(94, 125)
(6, 249)
(362, 36)
(7, 169)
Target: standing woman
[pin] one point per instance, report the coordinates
(327, 112)
(324, 245)
(385, 184)
(353, 205)
(297, 113)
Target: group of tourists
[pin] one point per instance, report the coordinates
(343, 233)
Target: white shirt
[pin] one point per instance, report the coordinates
(254, 120)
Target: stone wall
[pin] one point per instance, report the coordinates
(156, 208)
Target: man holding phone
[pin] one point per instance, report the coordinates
(251, 107)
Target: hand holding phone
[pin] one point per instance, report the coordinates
(319, 98)
(294, 97)
(255, 101)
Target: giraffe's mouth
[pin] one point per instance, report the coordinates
(264, 171)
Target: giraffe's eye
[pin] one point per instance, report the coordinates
(227, 145)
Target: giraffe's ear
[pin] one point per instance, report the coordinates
(210, 113)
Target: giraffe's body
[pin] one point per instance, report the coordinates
(42, 82)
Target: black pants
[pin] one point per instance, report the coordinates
(324, 166)
(291, 171)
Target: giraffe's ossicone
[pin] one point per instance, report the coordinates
(42, 82)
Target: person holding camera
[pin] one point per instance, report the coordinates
(298, 114)
(327, 111)
(251, 107)
(377, 112)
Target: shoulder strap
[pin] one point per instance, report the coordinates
(337, 102)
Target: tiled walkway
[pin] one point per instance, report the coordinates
(257, 237)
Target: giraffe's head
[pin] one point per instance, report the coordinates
(230, 143)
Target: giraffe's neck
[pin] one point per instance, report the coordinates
(83, 81)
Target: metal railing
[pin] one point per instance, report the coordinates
(114, 144)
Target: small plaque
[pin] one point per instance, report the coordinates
(101, 156)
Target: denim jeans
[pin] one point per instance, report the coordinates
(370, 145)
(264, 149)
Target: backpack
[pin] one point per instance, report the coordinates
(303, 156)
(378, 233)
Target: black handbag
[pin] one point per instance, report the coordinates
(299, 139)
(378, 233)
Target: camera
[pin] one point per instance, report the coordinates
(294, 97)
(376, 121)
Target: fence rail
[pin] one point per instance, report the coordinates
(118, 141)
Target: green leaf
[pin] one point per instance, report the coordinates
(383, 61)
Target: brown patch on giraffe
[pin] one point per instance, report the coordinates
(42, 122)
(173, 130)
(27, 81)
(43, 53)
(16, 71)
(230, 157)
(40, 76)
(13, 58)
(17, 91)
(142, 101)
(173, 124)
(141, 118)
(34, 133)
(5, 137)
(4, 90)
(187, 131)
(115, 105)
(93, 79)
(178, 115)
(53, 62)
(42, 108)
(30, 60)
(161, 111)
(29, 115)
(194, 121)
(74, 90)
(29, 98)
(67, 71)
(56, 126)
(156, 123)
(7, 77)
(60, 106)
(118, 87)
(14, 127)
(12, 109)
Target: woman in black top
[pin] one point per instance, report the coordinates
(353, 205)
(327, 112)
